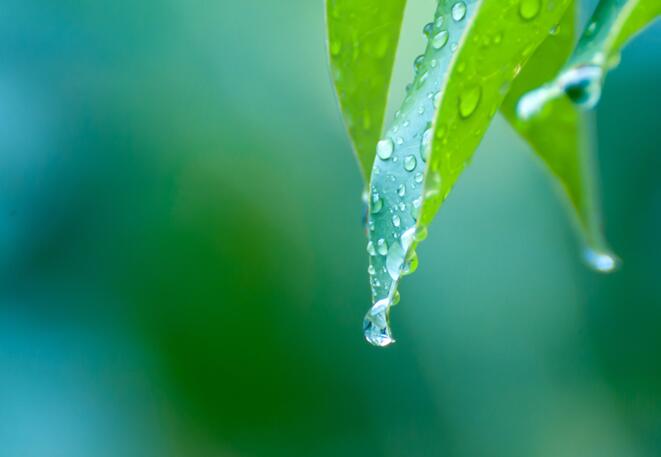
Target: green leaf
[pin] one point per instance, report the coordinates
(559, 137)
(362, 40)
(612, 25)
(475, 51)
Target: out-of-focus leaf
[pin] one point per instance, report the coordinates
(559, 137)
(612, 25)
(362, 41)
(475, 50)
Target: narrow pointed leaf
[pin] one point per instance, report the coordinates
(362, 40)
(558, 136)
(476, 49)
(612, 25)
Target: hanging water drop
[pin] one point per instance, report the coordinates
(601, 261)
(583, 85)
(384, 149)
(376, 325)
(458, 11)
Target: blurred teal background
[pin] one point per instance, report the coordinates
(182, 264)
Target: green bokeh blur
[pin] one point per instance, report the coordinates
(182, 268)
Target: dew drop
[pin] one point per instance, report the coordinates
(529, 9)
(458, 11)
(335, 47)
(382, 247)
(424, 144)
(395, 260)
(428, 29)
(469, 100)
(440, 39)
(384, 149)
(401, 190)
(371, 270)
(376, 325)
(377, 203)
(601, 261)
(396, 221)
(419, 177)
(583, 85)
(409, 163)
(418, 62)
(370, 249)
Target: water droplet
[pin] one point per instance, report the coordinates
(384, 149)
(382, 247)
(437, 100)
(421, 233)
(458, 11)
(419, 177)
(424, 144)
(418, 62)
(428, 29)
(376, 325)
(395, 298)
(377, 203)
(417, 202)
(335, 47)
(601, 261)
(396, 221)
(410, 163)
(591, 28)
(454, 47)
(529, 9)
(400, 140)
(411, 264)
(401, 190)
(402, 206)
(440, 39)
(582, 85)
(370, 248)
(469, 100)
(371, 270)
(439, 22)
(395, 260)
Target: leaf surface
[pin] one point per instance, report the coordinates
(613, 24)
(559, 137)
(362, 42)
(475, 50)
